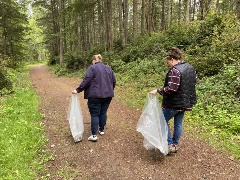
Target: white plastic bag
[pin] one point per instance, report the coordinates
(75, 118)
(152, 125)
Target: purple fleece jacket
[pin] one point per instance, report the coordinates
(99, 82)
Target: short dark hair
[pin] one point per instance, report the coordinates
(174, 53)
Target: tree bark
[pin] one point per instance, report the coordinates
(135, 18)
(120, 8)
(101, 23)
(201, 9)
(150, 14)
(179, 10)
(238, 9)
(193, 10)
(143, 18)
(61, 6)
(163, 16)
(125, 19)
(79, 39)
(187, 12)
(109, 25)
(169, 12)
(55, 27)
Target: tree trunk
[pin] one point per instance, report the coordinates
(217, 5)
(101, 23)
(238, 9)
(179, 10)
(115, 21)
(78, 35)
(125, 19)
(163, 16)
(201, 9)
(61, 6)
(4, 34)
(143, 18)
(193, 10)
(169, 12)
(150, 14)
(135, 18)
(109, 25)
(55, 27)
(120, 8)
(187, 11)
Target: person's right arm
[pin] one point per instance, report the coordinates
(86, 81)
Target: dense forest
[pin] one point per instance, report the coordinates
(133, 37)
(65, 31)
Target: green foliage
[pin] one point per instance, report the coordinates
(13, 27)
(142, 70)
(178, 36)
(73, 62)
(206, 44)
(137, 78)
(217, 110)
(63, 71)
(34, 38)
(5, 83)
(21, 132)
(212, 46)
(143, 47)
(215, 42)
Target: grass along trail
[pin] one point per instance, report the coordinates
(119, 154)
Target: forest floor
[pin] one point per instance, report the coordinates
(119, 154)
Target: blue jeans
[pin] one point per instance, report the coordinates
(178, 117)
(98, 110)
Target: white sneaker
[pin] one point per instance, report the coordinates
(93, 138)
(101, 133)
(172, 148)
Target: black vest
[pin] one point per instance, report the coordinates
(185, 96)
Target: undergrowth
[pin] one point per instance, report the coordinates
(208, 45)
(217, 111)
(216, 114)
(21, 137)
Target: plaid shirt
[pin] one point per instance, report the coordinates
(174, 78)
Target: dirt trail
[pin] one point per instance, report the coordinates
(119, 154)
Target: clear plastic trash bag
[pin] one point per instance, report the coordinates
(152, 125)
(75, 118)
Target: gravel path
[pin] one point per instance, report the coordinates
(119, 154)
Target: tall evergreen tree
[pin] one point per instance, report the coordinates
(13, 23)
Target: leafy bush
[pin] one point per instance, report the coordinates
(215, 55)
(5, 83)
(73, 61)
(217, 110)
(212, 45)
(144, 47)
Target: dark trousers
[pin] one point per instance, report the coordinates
(98, 110)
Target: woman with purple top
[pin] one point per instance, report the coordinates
(179, 94)
(98, 85)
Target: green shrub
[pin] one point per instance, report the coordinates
(215, 42)
(217, 110)
(73, 61)
(5, 82)
(144, 47)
